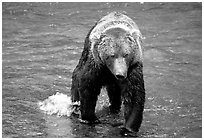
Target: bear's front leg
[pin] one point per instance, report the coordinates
(114, 94)
(88, 103)
(134, 98)
(133, 116)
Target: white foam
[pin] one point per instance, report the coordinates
(59, 104)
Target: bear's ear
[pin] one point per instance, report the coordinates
(139, 50)
(94, 50)
(130, 38)
(103, 35)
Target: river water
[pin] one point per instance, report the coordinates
(42, 43)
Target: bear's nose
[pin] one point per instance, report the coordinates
(120, 77)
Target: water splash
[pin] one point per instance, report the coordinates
(59, 104)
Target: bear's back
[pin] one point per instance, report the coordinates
(114, 20)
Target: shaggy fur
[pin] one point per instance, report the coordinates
(90, 76)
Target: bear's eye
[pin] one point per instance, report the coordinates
(125, 55)
(112, 55)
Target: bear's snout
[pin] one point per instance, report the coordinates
(120, 68)
(120, 77)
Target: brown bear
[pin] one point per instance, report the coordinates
(112, 58)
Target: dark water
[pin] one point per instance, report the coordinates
(42, 43)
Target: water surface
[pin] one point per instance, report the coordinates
(42, 43)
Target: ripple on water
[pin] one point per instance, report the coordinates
(155, 55)
(42, 42)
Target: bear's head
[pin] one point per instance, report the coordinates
(115, 42)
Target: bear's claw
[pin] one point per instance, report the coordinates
(76, 108)
(89, 122)
(127, 132)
